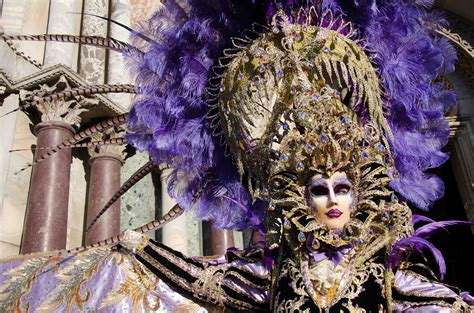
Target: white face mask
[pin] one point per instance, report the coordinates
(330, 199)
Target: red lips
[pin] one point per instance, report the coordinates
(333, 213)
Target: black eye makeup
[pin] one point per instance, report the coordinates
(319, 190)
(342, 189)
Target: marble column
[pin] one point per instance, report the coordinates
(45, 226)
(92, 59)
(12, 19)
(46, 213)
(62, 21)
(13, 12)
(117, 73)
(104, 182)
(174, 234)
(7, 129)
(221, 240)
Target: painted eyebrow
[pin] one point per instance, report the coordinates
(343, 180)
(318, 181)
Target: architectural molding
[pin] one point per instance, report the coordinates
(48, 76)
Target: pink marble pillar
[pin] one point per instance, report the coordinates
(221, 240)
(104, 182)
(45, 226)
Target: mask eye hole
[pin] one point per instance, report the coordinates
(318, 191)
(342, 189)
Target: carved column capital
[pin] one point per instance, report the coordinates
(117, 151)
(66, 110)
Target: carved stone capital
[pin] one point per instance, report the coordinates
(108, 149)
(67, 110)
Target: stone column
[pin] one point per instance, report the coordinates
(221, 240)
(117, 73)
(45, 226)
(104, 182)
(92, 59)
(46, 214)
(62, 21)
(174, 233)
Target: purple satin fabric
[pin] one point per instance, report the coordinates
(97, 293)
(409, 283)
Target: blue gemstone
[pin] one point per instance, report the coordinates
(326, 49)
(324, 138)
(360, 241)
(283, 157)
(261, 67)
(280, 73)
(381, 148)
(309, 147)
(302, 115)
(367, 133)
(286, 223)
(394, 198)
(315, 97)
(240, 76)
(297, 36)
(299, 167)
(344, 120)
(286, 126)
(349, 52)
(292, 90)
(264, 40)
(301, 237)
(221, 87)
(364, 155)
(275, 29)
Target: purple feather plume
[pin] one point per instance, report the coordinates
(418, 242)
(169, 119)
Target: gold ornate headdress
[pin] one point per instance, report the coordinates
(289, 72)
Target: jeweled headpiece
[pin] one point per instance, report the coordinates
(280, 81)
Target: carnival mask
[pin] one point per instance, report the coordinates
(330, 199)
